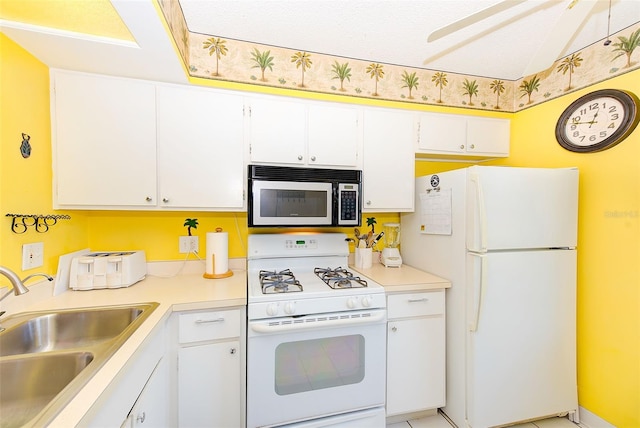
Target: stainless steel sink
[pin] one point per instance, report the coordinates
(29, 384)
(47, 357)
(65, 329)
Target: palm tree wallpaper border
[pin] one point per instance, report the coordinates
(217, 58)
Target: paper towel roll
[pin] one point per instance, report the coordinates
(217, 261)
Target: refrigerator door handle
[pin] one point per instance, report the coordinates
(482, 213)
(478, 284)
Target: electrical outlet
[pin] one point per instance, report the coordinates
(188, 244)
(32, 255)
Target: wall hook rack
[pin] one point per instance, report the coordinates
(41, 223)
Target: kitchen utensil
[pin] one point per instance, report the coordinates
(377, 238)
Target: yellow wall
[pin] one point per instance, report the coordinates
(608, 278)
(25, 184)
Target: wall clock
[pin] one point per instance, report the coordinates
(598, 120)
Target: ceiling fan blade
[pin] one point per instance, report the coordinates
(560, 36)
(472, 19)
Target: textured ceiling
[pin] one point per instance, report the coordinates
(127, 37)
(395, 32)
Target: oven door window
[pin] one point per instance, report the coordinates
(315, 364)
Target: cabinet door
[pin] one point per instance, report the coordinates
(209, 385)
(442, 133)
(415, 365)
(389, 166)
(278, 131)
(200, 148)
(152, 407)
(488, 135)
(104, 132)
(333, 135)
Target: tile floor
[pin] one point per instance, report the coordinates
(438, 421)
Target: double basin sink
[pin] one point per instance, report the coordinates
(46, 357)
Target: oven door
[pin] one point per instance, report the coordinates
(288, 203)
(314, 366)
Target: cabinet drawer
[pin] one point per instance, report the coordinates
(415, 304)
(199, 326)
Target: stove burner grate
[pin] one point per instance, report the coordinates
(339, 278)
(278, 282)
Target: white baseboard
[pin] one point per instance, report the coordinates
(591, 420)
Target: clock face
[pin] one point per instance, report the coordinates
(597, 121)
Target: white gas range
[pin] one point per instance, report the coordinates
(316, 334)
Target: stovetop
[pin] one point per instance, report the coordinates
(295, 265)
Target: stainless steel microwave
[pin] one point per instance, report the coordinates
(297, 197)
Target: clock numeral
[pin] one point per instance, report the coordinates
(612, 109)
(614, 116)
(603, 134)
(612, 126)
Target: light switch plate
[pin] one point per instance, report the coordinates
(32, 255)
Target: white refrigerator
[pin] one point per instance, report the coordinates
(506, 239)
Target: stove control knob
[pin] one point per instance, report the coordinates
(366, 301)
(272, 309)
(289, 308)
(352, 302)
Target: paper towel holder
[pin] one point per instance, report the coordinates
(214, 275)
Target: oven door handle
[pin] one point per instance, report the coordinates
(374, 317)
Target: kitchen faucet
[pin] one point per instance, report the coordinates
(18, 284)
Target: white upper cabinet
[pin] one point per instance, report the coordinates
(389, 168)
(465, 136)
(129, 144)
(334, 135)
(302, 133)
(104, 141)
(200, 148)
(277, 131)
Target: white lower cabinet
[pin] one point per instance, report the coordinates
(152, 406)
(415, 352)
(211, 369)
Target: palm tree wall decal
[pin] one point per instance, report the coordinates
(191, 223)
(376, 71)
(440, 79)
(497, 86)
(410, 81)
(528, 86)
(303, 61)
(341, 71)
(569, 64)
(263, 61)
(215, 46)
(470, 89)
(626, 46)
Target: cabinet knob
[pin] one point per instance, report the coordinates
(299, 157)
(148, 199)
(313, 158)
(141, 418)
(165, 200)
(232, 351)
(473, 146)
(462, 146)
(368, 202)
(394, 329)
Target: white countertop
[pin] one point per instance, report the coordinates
(178, 293)
(403, 278)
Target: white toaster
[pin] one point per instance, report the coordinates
(115, 269)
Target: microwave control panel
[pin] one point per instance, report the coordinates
(348, 201)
